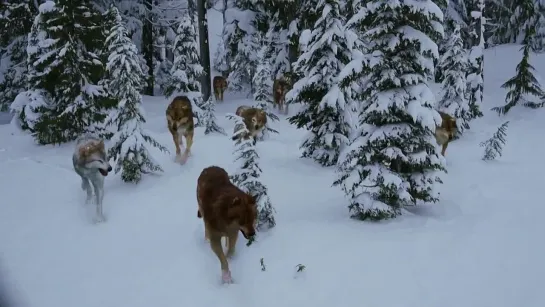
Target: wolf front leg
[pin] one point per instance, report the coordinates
(86, 186)
(98, 185)
(189, 141)
(176, 139)
(215, 244)
(444, 148)
(231, 242)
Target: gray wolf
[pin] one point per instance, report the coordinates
(219, 84)
(225, 210)
(444, 133)
(255, 120)
(91, 164)
(280, 88)
(180, 123)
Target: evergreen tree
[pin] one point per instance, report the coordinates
(15, 23)
(454, 64)
(186, 69)
(248, 173)
(242, 43)
(393, 161)
(281, 22)
(324, 102)
(512, 18)
(63, 65)
(475, 77)
(493, 146)
(131, 141)
(220, 63)
(523, 87)
(209, 118)
(263, 88)
(443, 5)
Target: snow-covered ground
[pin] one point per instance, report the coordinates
(481, 246)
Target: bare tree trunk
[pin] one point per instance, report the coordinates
(147, 46)
(205, 49)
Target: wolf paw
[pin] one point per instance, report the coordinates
(99, 218)
(226, 277)
(183, 159)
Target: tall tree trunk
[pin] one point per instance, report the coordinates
(147, 46)
(205, 49)
(224, 74)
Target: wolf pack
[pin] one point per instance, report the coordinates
(224, 208)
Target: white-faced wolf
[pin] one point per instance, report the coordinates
(91, 163)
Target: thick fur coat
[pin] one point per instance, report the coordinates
(225, 210)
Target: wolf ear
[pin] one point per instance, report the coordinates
(101, 144)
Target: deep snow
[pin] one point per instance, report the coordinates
(480, 246)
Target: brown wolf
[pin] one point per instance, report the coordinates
(220, 85)
(225, 210)
(255, 120)
(280, 88)
(180, 123)
(445, 133)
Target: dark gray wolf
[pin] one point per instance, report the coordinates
(280, 88)
(91, 163)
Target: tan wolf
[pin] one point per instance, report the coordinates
(180, 123)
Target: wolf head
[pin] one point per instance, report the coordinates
(247, 214)
(259, 120)
(91, 154)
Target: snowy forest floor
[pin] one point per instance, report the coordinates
(479, 246)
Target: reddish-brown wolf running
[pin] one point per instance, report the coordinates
(225, 210)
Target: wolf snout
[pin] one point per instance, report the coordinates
(256, 127)
(248, 235)
(109, 168)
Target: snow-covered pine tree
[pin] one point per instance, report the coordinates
(247, 175)
(475, 77)
(209, 118)
(324, 102)
(512, 18)
(132, 143)
(454, 64)
(493, 146)
(220, 62)
(186, 69)
(63, 65)
(16, 19)
(242, 41)
(523, 88)
(263, 85)
(393, 160)
(443, 5)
